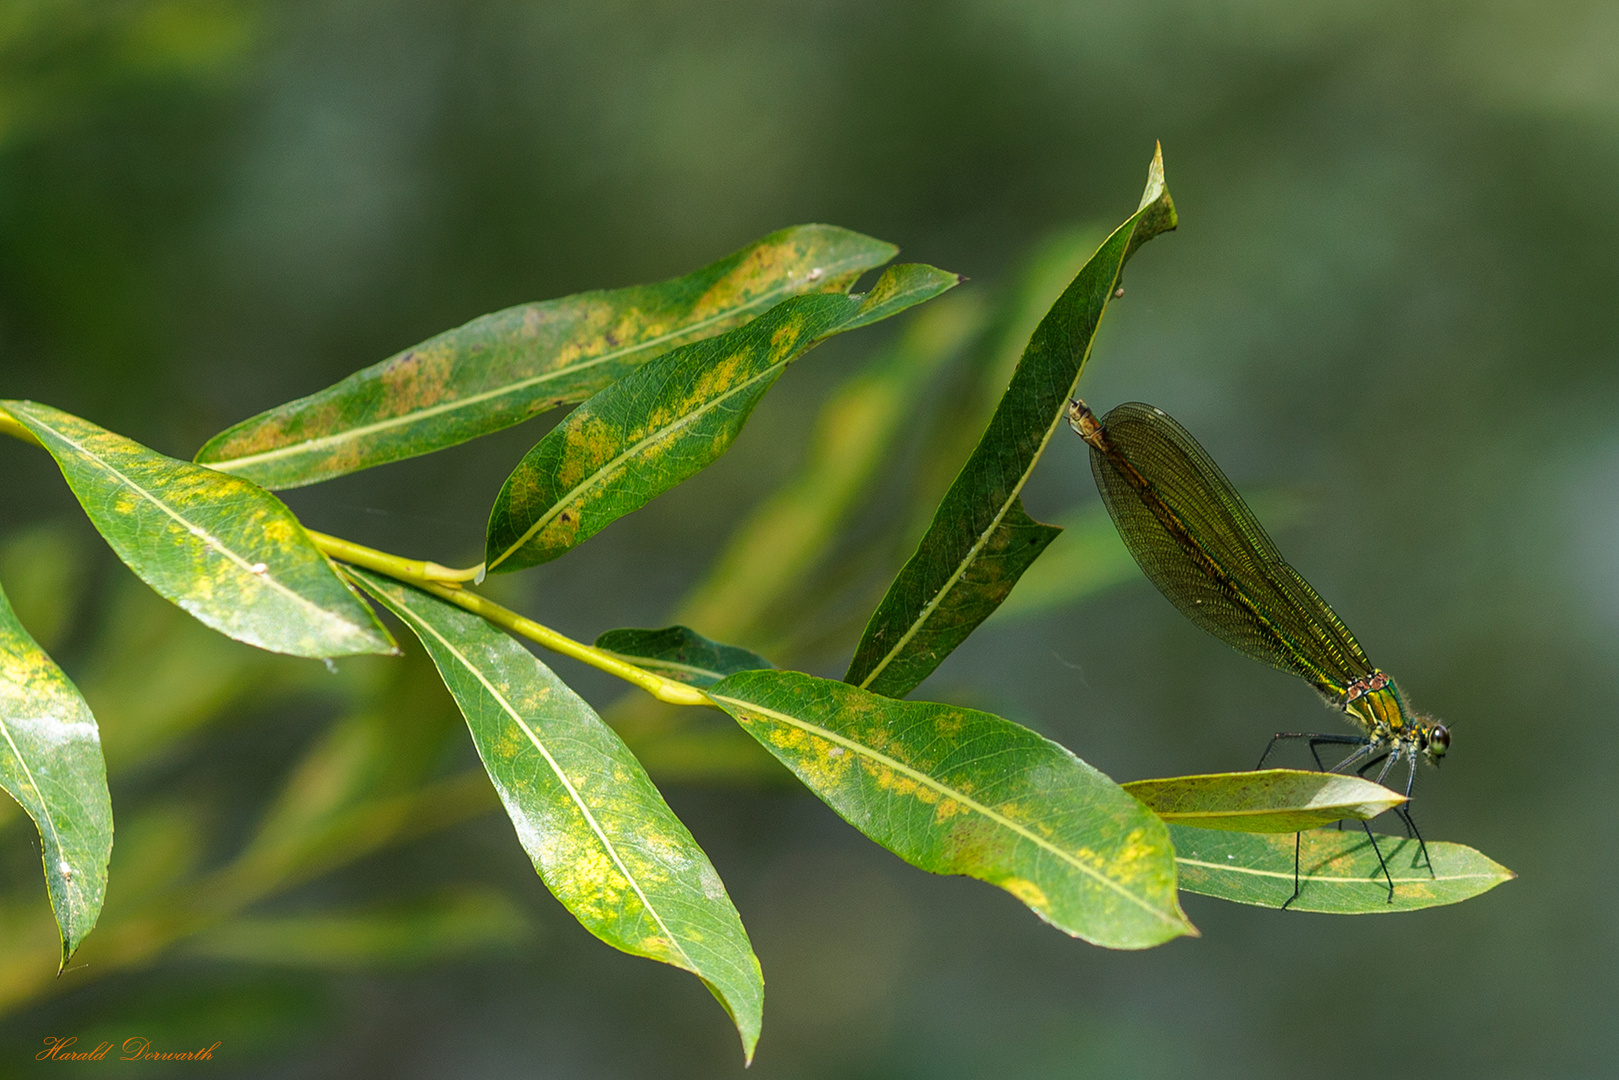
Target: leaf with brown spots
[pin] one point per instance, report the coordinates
(602, 838)
(225, 550)
(51, 763)
(1339, 873)
(1267, 801)
(670, 419)
(981, 540)
(958, 791)
(501, 369)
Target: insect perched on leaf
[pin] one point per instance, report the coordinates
(1198, 542)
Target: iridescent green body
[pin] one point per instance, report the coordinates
(1204, 549)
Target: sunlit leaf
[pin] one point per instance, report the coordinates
(1271, 801)
(957, 791)
(981, 540)
(223, 549)
(671, 418)
(602, 838)
(50, 762)
(679, 653)
(1339, 873)
(501, 369)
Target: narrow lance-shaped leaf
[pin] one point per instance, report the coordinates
(957, 791)
(679, 653)
(671, 418)
(602, 838)
(1269, 801)
(225, 550)
(1339, 873)
(501, 369)
(50, 762)
(981, 540)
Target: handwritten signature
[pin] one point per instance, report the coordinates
(136, 1048)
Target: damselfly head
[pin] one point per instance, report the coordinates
(1435, 740)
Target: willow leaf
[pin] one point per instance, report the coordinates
(501, 369)
(679, 653)
(957, 791)
(670, 419)
(225, 550)
(943, 593)
(602, 838)
(1339, 873)
(1269, 801)
(51, 764)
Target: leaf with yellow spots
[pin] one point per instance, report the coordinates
(51, 763)
(981, 540)
(670, 419)
(679, 653)
(503, 368)
(1267, 801)
(225, 550)
(602, 838)
(958, 791)
(1339, 873)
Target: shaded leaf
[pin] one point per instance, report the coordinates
(957, 791)
(501, 369)
(432, 931)
(50, 762)
(670, 419)
(1338, 870)
(981, 539)
(680, 653)
(1270, 801)
(602, 838)
(223, 549)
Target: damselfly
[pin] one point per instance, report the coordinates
(1198, 542)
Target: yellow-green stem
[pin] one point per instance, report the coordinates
(415, 571)
(429, 578)
(8, 426)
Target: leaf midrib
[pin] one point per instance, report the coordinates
(203, 534)
(1288, 875)
(573, 794)
(958, 796)
(351, 434)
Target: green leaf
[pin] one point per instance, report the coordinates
(51, 764)
(1271, 801)
(670, 419)
(680, 653)
(602, 838)
(981, 540)
(502, 369)
(431, 931)
(957, 791)
(1338, 871)
(223, 549)
(772, 551)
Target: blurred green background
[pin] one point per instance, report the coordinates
(1391, 299)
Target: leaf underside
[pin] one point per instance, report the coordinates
(597, 830)
(1339, 873)
(51, 763)
(679, 653)
(225, 550)
(957, 791)
(501, 369)
(1269, 801)
(941, 595)
(671, 418)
